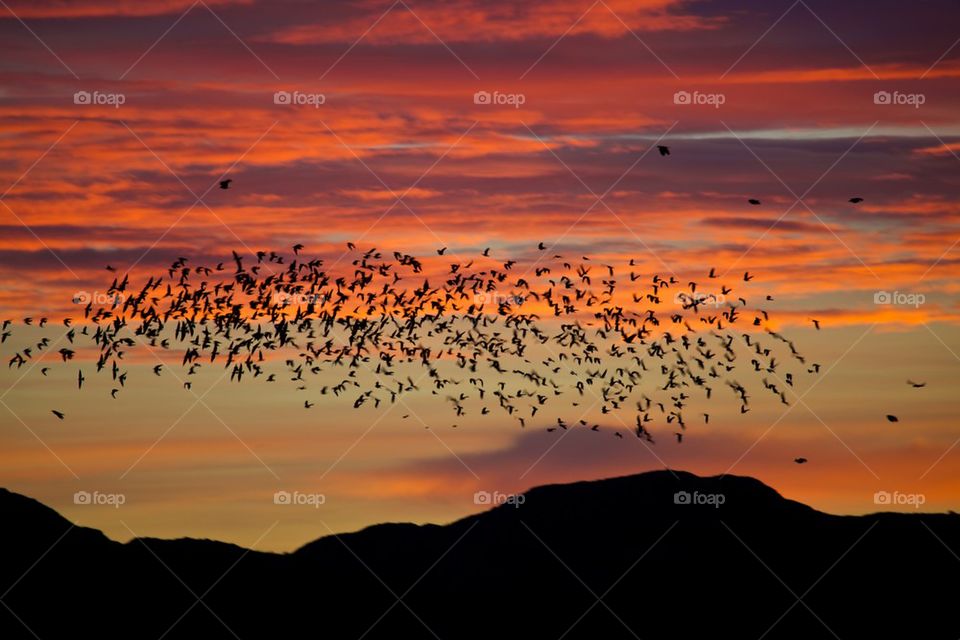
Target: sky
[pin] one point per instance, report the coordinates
(414, 125)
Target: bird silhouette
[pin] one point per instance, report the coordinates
(225, 184)
(663, 149)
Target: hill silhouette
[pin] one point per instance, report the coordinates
(616, 558)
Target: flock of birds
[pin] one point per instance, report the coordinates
(562, 335)
(490, 337)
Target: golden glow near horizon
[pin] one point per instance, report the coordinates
(472, 125)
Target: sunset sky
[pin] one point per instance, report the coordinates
(801, 105)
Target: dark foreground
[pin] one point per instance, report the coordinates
(601, 560)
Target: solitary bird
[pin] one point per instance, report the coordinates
(856, 200)
(225, 184)
(816, 323)
(892, 418)
(753, 201)
(916, 385)
(800, 460)
(59, 414)
(663, 149)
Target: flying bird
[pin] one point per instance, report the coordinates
(663, 149)
(754, 201)
(856, 200)
(800, 460)
(225, 184)
(59, 414)
(892, 418)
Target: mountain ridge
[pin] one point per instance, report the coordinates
(617, 557)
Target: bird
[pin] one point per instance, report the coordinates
(541, 246)
(440, 251)
(800, 460)
(59, 414)
(663, 149)
(754, 201)
(892, 418)
(816, 323)
(916, 385)
(225, 184)
(297, 248)
(856, 200)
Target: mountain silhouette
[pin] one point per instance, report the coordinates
(662, 554)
